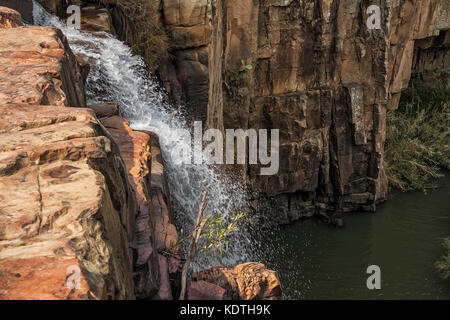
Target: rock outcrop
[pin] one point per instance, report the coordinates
(319, 74)
(157, 264)
(75, 212)
(65, 208)
(37, 67)
(249, 281)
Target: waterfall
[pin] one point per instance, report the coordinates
(118, 75)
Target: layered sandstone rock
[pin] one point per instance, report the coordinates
(248, 281)
(24, 7)
(322, 77)
(156, 263)
(165, 231)
(65, 209)
(37, 67)
(189, 29)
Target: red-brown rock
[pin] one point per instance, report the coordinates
(105, 110)
(248, 281)
(157, 264)
(202, 290)
(9, 18)
(37, 67)
(65, 201)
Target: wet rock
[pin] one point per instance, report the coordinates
(202, 290)
(134, 149)
(85, 68)
(248, 281)
(96, 19)
(105, 110)
(165, 230)
(156, 264)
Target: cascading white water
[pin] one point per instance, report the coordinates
(117, 75)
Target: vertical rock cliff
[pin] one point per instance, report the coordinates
(319, 74)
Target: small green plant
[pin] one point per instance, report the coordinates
(211, 232)
(215, 232)
(233, 78)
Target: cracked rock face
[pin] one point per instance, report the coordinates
(37, 67)
(248, 281)
(320, 75)
(67, 210)
(64, 205)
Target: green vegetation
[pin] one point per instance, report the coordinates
(209, 232)
(418, 135)
(443, 266)
(233, 78)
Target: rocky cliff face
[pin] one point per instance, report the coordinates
(75, 205)
(319, 74)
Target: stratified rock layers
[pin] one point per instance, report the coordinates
(319, 74)
(65, 208)
(84, 203)
(68, 209)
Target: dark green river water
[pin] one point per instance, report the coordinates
(403, 238)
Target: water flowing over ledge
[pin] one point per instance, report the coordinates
(118, 75)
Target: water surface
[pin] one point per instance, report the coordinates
(403, 237)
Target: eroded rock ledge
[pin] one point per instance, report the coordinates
(75, 195)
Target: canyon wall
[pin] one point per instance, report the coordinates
(318, 74)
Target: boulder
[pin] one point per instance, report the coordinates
(248, 281)
(9, 18)
(85, 68)
(105, 110)
(96, 19)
